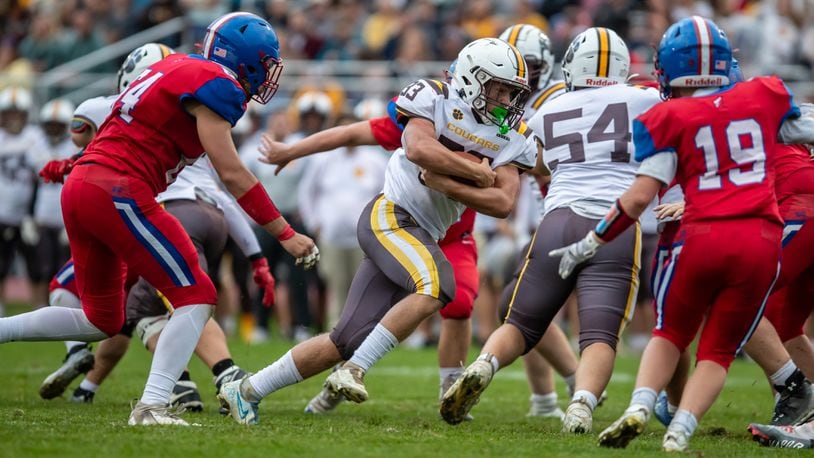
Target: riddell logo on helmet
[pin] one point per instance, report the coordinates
(703, 82)
(593, 82)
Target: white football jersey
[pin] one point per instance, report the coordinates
(459, 129)
(554, 89)
(48, 207)
(95, 110)
(18, 173)
(587, 146)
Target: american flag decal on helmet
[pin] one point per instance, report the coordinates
(220, 52)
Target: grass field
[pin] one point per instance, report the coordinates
(400, 419)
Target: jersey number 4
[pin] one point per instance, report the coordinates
(131, 96)
(744, 143)
(615, 113)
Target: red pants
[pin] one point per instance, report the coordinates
(722, 271)
(115, 225)
(463, 255)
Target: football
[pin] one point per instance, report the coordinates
(469, 157)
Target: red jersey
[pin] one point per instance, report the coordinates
(794, 186)
(148, 134)
(725, 144)
(388, 134)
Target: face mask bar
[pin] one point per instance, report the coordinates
(505, 116)
(274, 68)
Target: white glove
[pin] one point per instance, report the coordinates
(576, 253)
(29, 231)
(310, 260)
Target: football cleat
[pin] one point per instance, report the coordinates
(78, 361)
(81, 396)
(541, 411)
(232, 400)
(147, 414)
(675, 441)
(229, 375)
(578, 417)
(662, 412)
(445, 385)
(780, 436)
(796, 403)
(625, 429)
(349, 381)
(324, 402)
(185, 396)
(465, 392)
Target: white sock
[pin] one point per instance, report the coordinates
(779, 378)
(445, 372)
(571, 381)
(172, 353)
(589, 398)
(644, 397)
(544, 400)
(671, 409)
(279, 374)
(374, 347)
(685, 421)
(492, 359)
(71, 344)
(87, 385)
(49, 323)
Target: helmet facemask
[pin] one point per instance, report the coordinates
(501, 101)
(265, 91)
(536, 68)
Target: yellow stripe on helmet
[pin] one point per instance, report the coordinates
(521, 64)
(515, 34)
(603, 66)
(165, 50)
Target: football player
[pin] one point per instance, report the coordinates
(172, 113)
(405, 276)
(586, 136)
(718, 141)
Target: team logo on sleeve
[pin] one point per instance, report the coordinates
(457, 114)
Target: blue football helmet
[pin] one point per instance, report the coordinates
(247, 45)
(694, 52)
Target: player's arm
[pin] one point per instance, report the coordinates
(799, 129)
(497, 201)
(423, 149)
(280, 154)
(214, 133)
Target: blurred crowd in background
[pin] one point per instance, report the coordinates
(774, 36)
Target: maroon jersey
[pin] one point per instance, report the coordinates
(725, 142)
(147, 135)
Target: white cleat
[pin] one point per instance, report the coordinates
(149, 414)
(75, 364)
(232, 401)
(629, 426)
(324, 402)
(578, 418)
(675, 441)
(348, 381)
(536, 410)
(465, 392)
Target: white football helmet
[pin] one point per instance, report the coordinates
(57, 110)
(370, 108)
(138, 60)
(596, 57)
(486, 66)
(535, 47)
(315, 101)
(15, 98)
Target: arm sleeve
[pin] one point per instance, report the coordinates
(660, 166)
(644, 142)
(386, 132)
(800, 129)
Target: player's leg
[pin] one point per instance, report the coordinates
(540, 377)
(638, 333)
(108, 354)
(531, 301)
(556, 349)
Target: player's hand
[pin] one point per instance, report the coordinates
(304, 249)
(432, 180)
(274, 153)
(29, 231)
(672, 211)
(576, 253)
(55, 171)
(263, 279)
(484, 175)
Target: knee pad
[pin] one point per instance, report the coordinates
(60, 297)
(146, 328)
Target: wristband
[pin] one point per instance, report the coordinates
(258, 205)
(614, 223)
(286, 233)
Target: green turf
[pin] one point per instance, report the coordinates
(400, 419)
